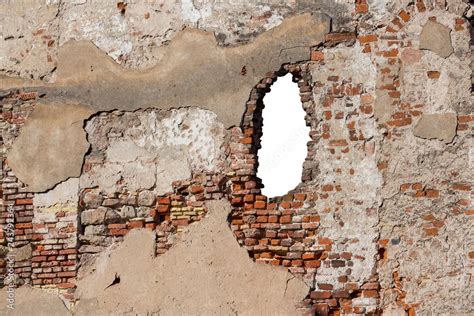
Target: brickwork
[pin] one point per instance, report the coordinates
(107, 218)
(15, 108)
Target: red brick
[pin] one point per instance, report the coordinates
(163, 208)
(341, 294)
(325, 287)
(67, 251)
(67, 274)
(196, 189)
(317, 55)
(320, 295)
(309, 255)
(433, 74)
(164, 200)
(24, 201)
(23, 225)
(68, 263)
(118, 232)
(339, 37)
(300, 196)
(25, 96)
(405, 16)
(338, 263)
(338, 142)
(246, 140)
(370, 286)
(461, 187)
(367, 38)
(180, 222)
(259, 204)
(327, 187)
(249, 198)
(285, 205)
(432, 193)
(346, 255)
(324, 241)
(66, 285)
(420, 6)
(285, 219)
(38, 258)
(370, 293)
(400, 123)
(135, 224)
(321, 309)
(46, 275)
(117, 226)
(362, 8)
(390, 53)
(431, 231)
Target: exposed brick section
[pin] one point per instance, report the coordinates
(107, 218)
(15, 108)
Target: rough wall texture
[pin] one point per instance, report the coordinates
(140, 115)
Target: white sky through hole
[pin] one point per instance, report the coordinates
(284, 139)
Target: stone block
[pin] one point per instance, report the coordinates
(93, 216)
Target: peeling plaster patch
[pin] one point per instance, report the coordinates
(226, 283)
(436, 38)
(441, 126)
(129, 39)
(63, 193)
(171, 167)
(51, 146)
(23, 50)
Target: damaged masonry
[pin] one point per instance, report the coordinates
(131, 134)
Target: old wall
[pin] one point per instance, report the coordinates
(139, 116)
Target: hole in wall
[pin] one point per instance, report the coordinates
(284, 138)
(115, 281)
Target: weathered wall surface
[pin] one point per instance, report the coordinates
(140, 115)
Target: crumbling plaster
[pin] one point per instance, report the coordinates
(148, 150)
(51, 145)
(133, 33)
(90, 78)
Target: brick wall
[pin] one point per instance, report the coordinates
(379, 218)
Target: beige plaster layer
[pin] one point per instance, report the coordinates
(51, 146)
(30, 301)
